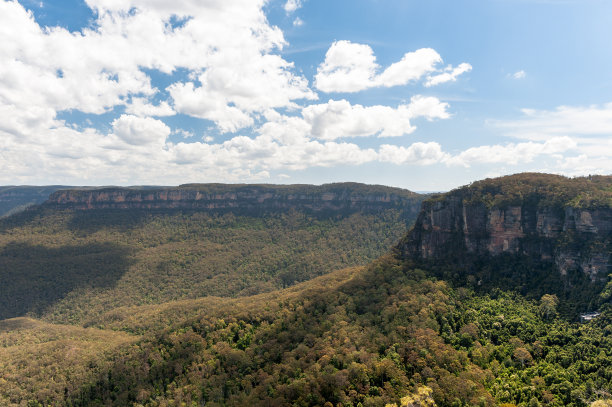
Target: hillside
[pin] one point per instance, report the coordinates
(84, 252)
(362, 336)
(535, 233)
(390, 333)
(14, 199)
(51, 360)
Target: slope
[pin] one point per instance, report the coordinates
(87, 251)
(360, 336)
(14, 199)
(51, 361)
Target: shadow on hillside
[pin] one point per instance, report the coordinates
(13, 324)
(34, 277)
(91, 221)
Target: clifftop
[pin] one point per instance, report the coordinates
(225, 196)
(547, 190)
(551, 222)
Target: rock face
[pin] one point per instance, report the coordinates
(531, 220)
(330, 197)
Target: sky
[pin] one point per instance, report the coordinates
(426, 95)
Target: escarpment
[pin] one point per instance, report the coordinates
(550, 221)
(330, 197)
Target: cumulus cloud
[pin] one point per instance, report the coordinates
(292, 5)
(417, 154)
(450, 74)
(512, 153)
(341, 119)
(412, 67)
(588, 127)
(140, 130)
(337, 119)
(229, 97)
(224, 44)
(351, 67)
(223, 62)
(519, 74)
(348, 67)
(142, 107)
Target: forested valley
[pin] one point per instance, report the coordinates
(298, 308)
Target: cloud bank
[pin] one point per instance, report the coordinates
(82, 108)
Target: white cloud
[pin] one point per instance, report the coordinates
(428, 107)
(416, 154)
(140, 130)
(298, 22)
(519, 74)
(348, 67)
(351, 67)
(588, 127)
(142, 107)
(224, 65)
(292, 5)
(450, 74)
(200, 102)
(224, 44)
(564, 120)
(184, 133)
(340, 119)
(230, 95)
(411, 68)
(512, 153)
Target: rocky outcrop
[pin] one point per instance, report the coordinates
(533, 222)
(333, 197)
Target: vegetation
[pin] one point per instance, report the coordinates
(369, 337)
(541, 225)
(187, 308)
(69, 266)
(14, 199)
(45, 363)
(542, 189)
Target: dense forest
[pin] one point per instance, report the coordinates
(68, 265)
(366, 337)
(532, 233)
(397, 332)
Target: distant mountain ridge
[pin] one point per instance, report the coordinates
(14, 198)
(338, 196)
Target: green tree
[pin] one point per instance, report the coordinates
(548, 305)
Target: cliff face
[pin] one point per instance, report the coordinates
(331, 197)
(533, 222)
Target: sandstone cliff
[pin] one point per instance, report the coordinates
(546, 218)
(330, 197)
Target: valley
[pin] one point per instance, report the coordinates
(132, 298)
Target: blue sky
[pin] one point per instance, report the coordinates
(425, 95)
